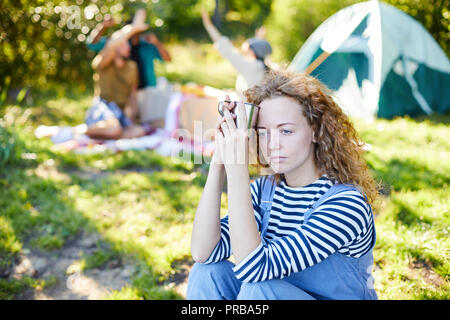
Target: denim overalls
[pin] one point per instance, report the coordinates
(337, 277)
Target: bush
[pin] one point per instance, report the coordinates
(7, 147)
(291, 22)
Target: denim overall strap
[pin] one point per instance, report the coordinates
(266, 192)
(338, 276)
(336, 188)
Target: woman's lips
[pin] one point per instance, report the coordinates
(277, 159)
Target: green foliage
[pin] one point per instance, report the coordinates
(433, 15)
(39, 42)
(296, 20)
(9, 289)
(98, 258)
(4, 91)
(9, 244)
(12, 149)
(7, 151)
(48, 242)
(42, 41)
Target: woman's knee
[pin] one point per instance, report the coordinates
(275, 289)
(253, 290)
(212, 281)
(212, 270)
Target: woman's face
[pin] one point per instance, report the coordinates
(285, 138)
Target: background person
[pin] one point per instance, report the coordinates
(145, 49)
(96, 40)
(249, 63)
(115, 109)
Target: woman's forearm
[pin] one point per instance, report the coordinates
(206, 229)
(244, 232)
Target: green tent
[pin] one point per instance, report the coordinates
(386, 64)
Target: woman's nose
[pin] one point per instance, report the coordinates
(274, 140)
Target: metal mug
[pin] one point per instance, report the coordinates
(250, 109)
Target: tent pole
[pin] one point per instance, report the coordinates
(317, 62)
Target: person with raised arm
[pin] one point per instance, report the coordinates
(250, 62)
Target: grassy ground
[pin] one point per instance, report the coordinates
(143, 204)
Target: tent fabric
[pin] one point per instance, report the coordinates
(383, 63)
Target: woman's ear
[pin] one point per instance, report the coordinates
(314, 140)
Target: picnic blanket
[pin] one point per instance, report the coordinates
(190, 114)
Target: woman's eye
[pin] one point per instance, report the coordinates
(286, 132)
(262, 133)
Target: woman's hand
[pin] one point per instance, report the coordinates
(216, 158)
(232, 142)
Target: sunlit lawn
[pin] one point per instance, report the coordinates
(143, 204)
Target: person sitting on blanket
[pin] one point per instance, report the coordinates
(114, 110)
(145, 48)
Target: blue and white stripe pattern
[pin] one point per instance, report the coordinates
(342, 223)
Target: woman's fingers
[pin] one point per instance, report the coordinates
(221, 120)
(228, 103)
(242, 116)
(229, 119)
(225, 129)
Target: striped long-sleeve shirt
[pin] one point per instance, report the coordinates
(342, 223)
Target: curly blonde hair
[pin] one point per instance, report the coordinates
(338, 151)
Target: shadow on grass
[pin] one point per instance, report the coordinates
(434, 118)
(399, 174)
(41, 213)
(407, 215)
(37, 216)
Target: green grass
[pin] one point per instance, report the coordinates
(198, 63)
(143, 204)
(12, 288)
(411, 160)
